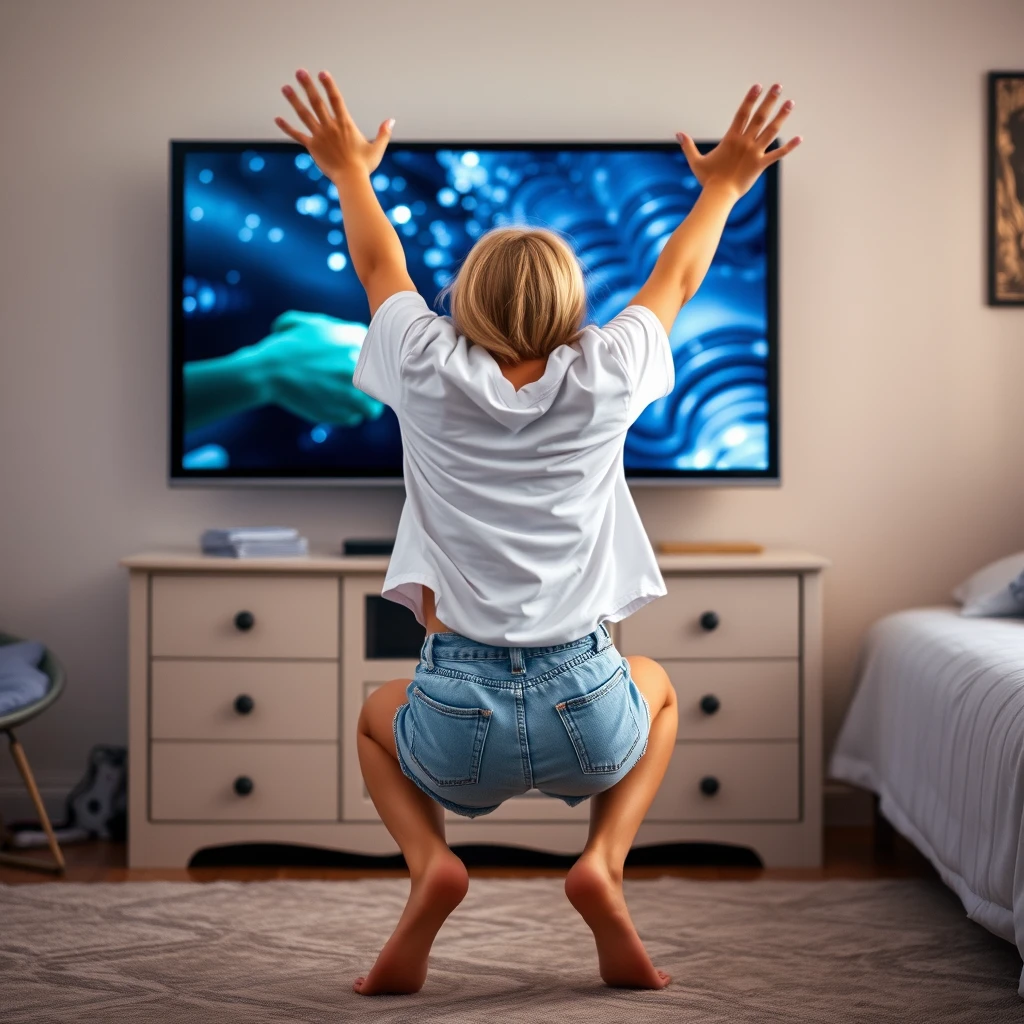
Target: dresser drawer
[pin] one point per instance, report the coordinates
(244, 700)
(290, 781)
(756, 782)
(718, 617)
(243, 616)
(737, 700)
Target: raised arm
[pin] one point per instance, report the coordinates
(345, 155)
(726, 174)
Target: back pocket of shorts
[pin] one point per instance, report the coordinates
(602, 726)
(447, 742)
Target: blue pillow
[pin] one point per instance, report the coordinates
(990, 591)
(1017, 590)
(21, 682)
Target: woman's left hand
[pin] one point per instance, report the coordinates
(335, 142)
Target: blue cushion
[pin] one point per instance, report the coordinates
(1017, 590)
(995, 589)
(21, 682)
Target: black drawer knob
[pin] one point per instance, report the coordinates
(245, 621)
(709, 785)
(709, 704)
(709, 621)
(244, 785)
(244, 703)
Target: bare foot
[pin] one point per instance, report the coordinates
(598, 897)
(402, 963)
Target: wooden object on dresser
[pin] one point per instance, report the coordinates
(246, 678)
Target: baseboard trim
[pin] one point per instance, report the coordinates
(16, 805)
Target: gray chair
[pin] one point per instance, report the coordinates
(55, 672)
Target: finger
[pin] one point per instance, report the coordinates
(739, 122)
(772, 128)
(334, 96)
(360, 405)
(690, 150)
(292, 318)
(316, 101)
(777, 154)
(762, 112)
(302, 140)
(300, 108)
(380, 143)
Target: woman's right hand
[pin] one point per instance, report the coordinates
(334, 140)
(738, 160)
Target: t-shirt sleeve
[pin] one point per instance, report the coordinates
(638, 342)
(402, 322)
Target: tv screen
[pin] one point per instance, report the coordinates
(267, 314)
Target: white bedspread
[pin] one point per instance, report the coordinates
(936, 729)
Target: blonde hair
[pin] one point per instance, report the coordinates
(519, 294)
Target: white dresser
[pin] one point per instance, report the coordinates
(246, 679)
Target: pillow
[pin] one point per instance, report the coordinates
(21, 682)
(1017, 589)
(998, 589)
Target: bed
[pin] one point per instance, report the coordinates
(936, 730)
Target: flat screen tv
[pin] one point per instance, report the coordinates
(259, 258)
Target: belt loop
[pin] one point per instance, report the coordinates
(427, 653)
(607, 637)
(518, 663)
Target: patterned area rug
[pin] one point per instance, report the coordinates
(514, 951)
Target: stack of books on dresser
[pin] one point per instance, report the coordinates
(255, 542)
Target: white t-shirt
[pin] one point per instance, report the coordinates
(517, 514)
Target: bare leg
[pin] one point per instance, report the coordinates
(594, 883)
(439, 878)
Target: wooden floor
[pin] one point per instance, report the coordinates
(850, 852)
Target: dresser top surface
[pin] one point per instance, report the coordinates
(190, 559)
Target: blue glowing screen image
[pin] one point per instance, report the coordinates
(268, 311)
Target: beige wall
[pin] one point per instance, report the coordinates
(902, 403)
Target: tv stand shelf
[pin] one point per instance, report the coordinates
(246, 678)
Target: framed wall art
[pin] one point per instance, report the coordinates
(1006, 188)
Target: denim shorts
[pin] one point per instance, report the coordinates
(485, 723)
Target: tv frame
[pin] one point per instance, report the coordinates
(178, 477)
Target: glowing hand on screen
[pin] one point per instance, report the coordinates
(740, 157)
(309, 360)
(334, 142)
(304, 365)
